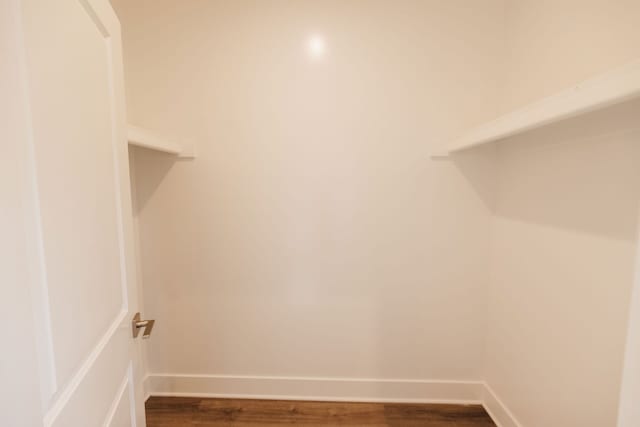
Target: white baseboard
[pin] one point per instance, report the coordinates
(497, 410)
(332, 389)
(319, 389)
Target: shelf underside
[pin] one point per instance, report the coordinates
(616, 86)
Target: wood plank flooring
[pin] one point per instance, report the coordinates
(183, 412)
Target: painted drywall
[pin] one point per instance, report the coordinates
(313, 236)
(564, 243)
(564, 234)
(629, 412)
(553, 44)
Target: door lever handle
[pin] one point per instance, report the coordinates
(138, 324)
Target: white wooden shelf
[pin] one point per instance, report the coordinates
(144, 138)
(599, 92)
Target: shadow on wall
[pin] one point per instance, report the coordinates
(478, 166)
(582, 174)
(156, 165)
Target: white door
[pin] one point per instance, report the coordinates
(68, 286)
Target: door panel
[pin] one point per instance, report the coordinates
(91, 399)
(120, 413)
(72, 62)
(19, 394)
(69, 65)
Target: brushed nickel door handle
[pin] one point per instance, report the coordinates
(138, 324)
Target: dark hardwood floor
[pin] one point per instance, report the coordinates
(180, 411)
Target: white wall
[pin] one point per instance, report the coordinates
(313, 236)
(564, 239)
(629, 413)
(553, 44)
(564, 234)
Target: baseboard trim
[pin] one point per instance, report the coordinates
(318, 389)
(332, 390)
(497, 410)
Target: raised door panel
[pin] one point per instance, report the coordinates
(78, 136)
